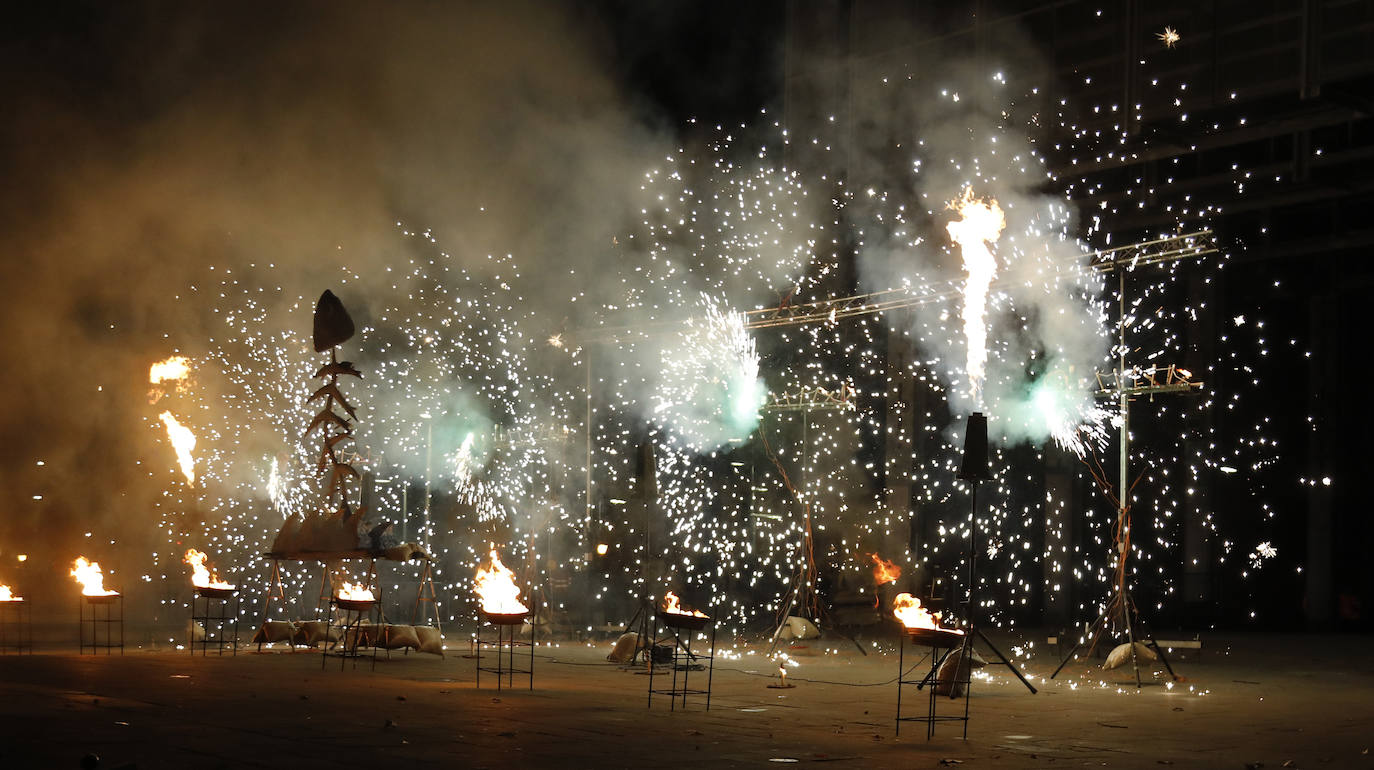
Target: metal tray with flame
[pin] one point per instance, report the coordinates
(504, 618)
(356, 605)
(684, 621)
(103, 599)
(935, 637)
(209, 592)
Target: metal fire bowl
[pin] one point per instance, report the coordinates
(504, 618)
(935, 637)
(111, 599)
(356, 605)
(684, 622)
(207, 592)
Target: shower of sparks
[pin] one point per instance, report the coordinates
(710, 390)
(979, 226)
(183, 442)
(504, 423)
(1169, 37)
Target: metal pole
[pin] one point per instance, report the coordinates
(1124, 461)
(429, 456)
(587, 515)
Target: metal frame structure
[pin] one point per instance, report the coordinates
(96, 623)
(222, 618)
(16, 617)
(679, 630)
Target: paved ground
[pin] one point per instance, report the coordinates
(1247, 701)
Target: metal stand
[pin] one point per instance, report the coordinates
(962, 678)
(679, 629)
(507, 628)
(352, 615)
(96, 623)
(16, 627)
(219, 598)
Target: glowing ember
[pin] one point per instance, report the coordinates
(173, 369)
(201, 575)
(354, 593)
(884, 571)
(7, 596)
(92, 580)
(183, 441)
(908, 609)
(980, 225)
(496, 588)
(673, 605)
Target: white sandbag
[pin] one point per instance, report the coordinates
(624, 648)
(801, 628)
(1121, 654)
(431, 640)
(953, 672)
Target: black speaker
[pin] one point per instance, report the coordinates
(975, 465)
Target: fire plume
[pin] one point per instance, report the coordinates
(173, 369)
(495, 586)
(92, 580)
(203, 576)
(354, 593)
(8, 596)
(183, 441)
(884, 571)
(979, 226)
(908, 609)
(672, 604)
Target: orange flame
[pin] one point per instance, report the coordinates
(354, 593)
(980, 225)
(908, 609)
(7, 596)
(183, 441)
(884, 571)
(673, 605)
(201, 575)
(495, 586)
(92, 580)
(171, 370)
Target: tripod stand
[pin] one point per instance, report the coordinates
(973, 470)
(1120, 610)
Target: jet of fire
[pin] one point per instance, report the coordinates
(183, 441)
(92, 580)
(496, 588)
(884, 571)
(979, 226)
(203, 576)
(908, 609)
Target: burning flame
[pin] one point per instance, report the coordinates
(884, 571)
(201, 575)
(92, 580)
(355, 593)
(496, 588)
(980, 225)
(7, 596)
(183, 441)
(908, 609)
(673, 605)
(172, 370)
